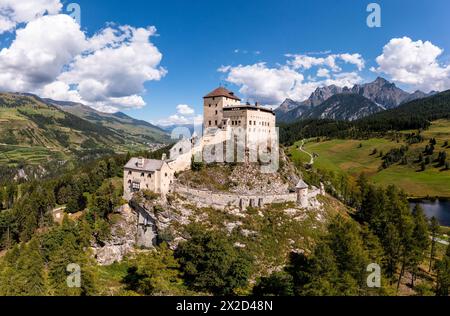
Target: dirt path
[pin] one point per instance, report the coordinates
(310, 155)
(442, 241)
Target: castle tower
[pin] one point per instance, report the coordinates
(302, 193)
(213, 104)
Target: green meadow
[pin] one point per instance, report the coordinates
(354, 157)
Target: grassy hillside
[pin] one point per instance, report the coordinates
(34, 132)
(140, 131)
(356, 156)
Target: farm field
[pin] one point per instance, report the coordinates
(357, 156)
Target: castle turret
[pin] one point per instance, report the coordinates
(302, 193)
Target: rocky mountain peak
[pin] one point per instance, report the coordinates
(383, 93)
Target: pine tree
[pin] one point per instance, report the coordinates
(32, 280)
(443, 275)
(155, 273)
(420, 241)
(11, 195)
(434, 231)
(2, 197)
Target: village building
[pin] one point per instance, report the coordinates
(147, 174)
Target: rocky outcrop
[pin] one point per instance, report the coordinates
(382, 92)
(123, 238)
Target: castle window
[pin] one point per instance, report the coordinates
(209, 123)
(216, 112)
(216, 122)
(142, 174)
(165, 175)
(250, 122)
(210, 105)
(129, 181)
(149, 175)
(254, 122)
(129, 173)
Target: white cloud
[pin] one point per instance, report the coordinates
(414, 63)
(355, 59)
(122, 60)
(185, 115)
(267, 85)
(39, 53)
(177, 119)
(272, 85)
(323, 72)
(185, 109)
(14, 12)
(305, 62)
(52, 57)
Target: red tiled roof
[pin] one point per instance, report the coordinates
(222, 92)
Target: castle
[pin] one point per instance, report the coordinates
(232, 132)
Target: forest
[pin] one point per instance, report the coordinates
(380, 229)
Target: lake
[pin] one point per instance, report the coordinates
(438, 208)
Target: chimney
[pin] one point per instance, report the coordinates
(140, 162)
(256, 104)
(164, 157)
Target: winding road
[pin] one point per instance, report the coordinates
(310, 155)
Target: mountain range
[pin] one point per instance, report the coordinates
(333, 102)
(141, 131)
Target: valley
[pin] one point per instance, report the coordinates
(34, 132)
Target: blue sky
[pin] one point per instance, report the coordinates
(197, 37)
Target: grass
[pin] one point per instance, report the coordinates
(348, 156)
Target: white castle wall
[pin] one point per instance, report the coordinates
(221, 200)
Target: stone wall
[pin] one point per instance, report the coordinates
(221, 200)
